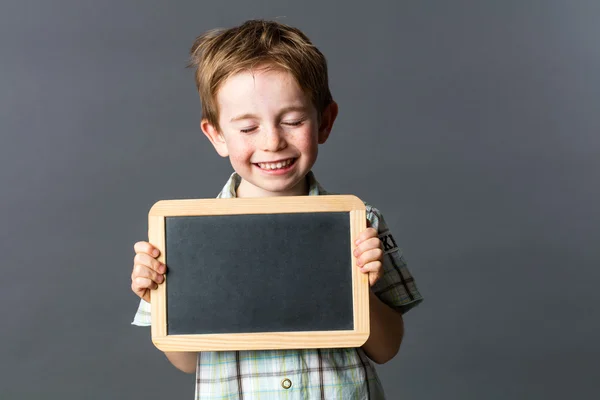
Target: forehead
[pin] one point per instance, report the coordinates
(260, 89)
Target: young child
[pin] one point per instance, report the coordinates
(266, 105)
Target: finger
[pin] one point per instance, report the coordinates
(142, 271)
(150, 262)
(371, 243)
(145, 247)
(141, 284)
(366, 234)
(369, 256)
(375, 271)
(371, 266)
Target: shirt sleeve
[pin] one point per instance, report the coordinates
(142, 316)
(397, 287)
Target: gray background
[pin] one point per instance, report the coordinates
(473, 125)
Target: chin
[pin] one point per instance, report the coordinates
(279, 189)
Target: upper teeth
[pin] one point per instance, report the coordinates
(276, 165)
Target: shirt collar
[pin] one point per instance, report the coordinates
(229, 190)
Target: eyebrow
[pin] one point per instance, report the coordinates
(281, 112)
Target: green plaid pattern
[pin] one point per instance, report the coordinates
(345, 374)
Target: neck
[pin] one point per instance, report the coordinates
(246, 189)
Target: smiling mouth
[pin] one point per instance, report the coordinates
(270, 166)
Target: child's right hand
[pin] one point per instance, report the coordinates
(147, 270)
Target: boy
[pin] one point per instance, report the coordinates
(266, 105)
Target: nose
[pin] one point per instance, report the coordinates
(274, 140)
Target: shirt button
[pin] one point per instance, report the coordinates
(286, 383)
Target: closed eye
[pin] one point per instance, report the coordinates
(294, 123)
(248, 130)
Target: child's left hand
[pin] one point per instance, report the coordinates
(369, 254)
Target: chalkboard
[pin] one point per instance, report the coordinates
(268, 273)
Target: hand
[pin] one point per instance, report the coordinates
(369, 254)
(147, 270)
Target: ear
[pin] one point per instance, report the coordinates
(327, 119)
(216, 138)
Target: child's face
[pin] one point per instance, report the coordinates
(269, 131)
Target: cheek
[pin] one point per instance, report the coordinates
(240, 151)
(307, 142)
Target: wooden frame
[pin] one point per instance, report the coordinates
(268, 340)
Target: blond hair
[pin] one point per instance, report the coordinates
(220, 53)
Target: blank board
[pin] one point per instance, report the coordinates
(259, 273)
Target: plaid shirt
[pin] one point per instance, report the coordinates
(345, 374)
